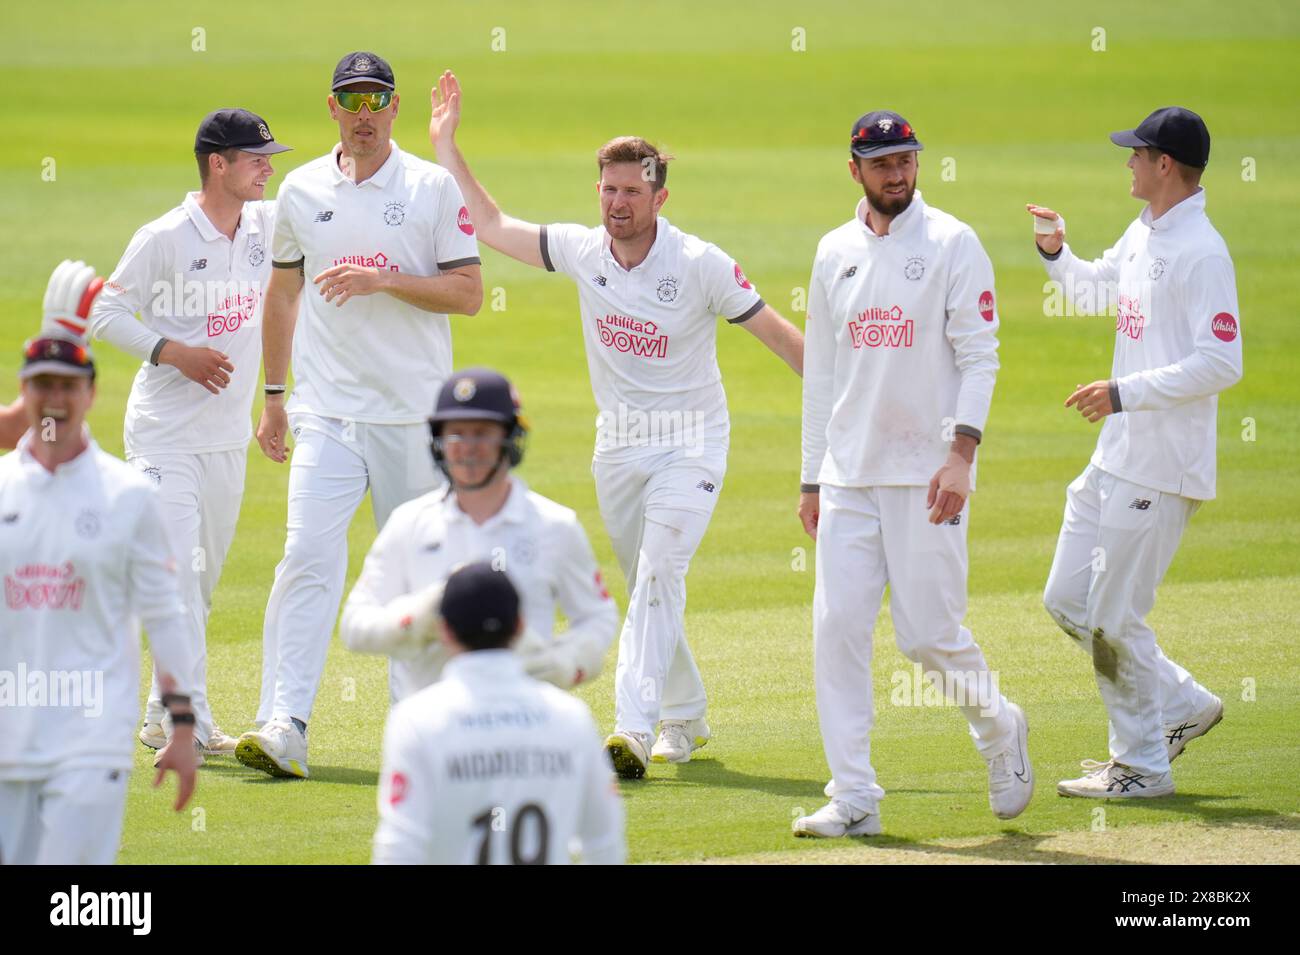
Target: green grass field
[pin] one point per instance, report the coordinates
(1018, 99)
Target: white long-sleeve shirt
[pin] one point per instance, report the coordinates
(489, 766)
(539, 544)
(189, 284)
(1177, 345)
(900, 349)
(85, 560)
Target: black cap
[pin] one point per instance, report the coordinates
(236, 129)
(477, 394)
(362, 67)
(56, 355)
(481, 606)
(881, 133)
(1173, 130)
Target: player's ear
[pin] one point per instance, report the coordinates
(396, 100)
(854, 171)
(660, 198)
(333, 107)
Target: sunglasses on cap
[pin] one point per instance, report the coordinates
(56, 356)
(873, 133)
(376, 102)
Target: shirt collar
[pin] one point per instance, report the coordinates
(73, 467)
(512, 512)
(901, 224)
(494, 664)
(1180, 213)
(207, 231)
(382, 175)
(661, 230)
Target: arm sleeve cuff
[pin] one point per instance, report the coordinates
(157, 351)
(749, 313)
(1114, 395)
(288, 265)
(546, 253)
(970, 432)
(457, 263)
(1050, 258)
(810, 488)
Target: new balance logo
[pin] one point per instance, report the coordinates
(1139, 504)
(325, 216)
(198, 264)
(848, 273)
(1126, 782)
(706, 486)
(599, 280)
(953, 521)
(430, 548)
(11, 518)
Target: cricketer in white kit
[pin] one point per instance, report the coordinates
(489, 766)
(899, 369)
(649, 297)
(196, 277)
(391, 249)
(486, 514)
(1177, 345)
(85, 560)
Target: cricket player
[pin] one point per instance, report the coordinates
(196, 277)
(899, 371)
(486, 514)
(649, 296)
(85, 560)
(489, 765)
(390, 250)
(1177, 345)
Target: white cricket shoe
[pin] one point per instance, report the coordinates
(629, 752)
(1112, 780)
(219, 743)
(278, 748)
(678, 739)
(836, 819)
(1011, 775)
(198, 754)
(1178, 735)
(152, 735)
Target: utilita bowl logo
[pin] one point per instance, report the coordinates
(376, 261)
(881, 327)
(628, 335)
(1129, 320)
(40, 586)
(232, 314)
(463, 223)
(1224, 327)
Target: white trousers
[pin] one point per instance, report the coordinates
(73, 817)
(656, 509)
(1117, 540)
(200, 496)
(333, 464)
(868, 537)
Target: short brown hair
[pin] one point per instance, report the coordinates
(654, 164)
(1190, 175)
(205, 167)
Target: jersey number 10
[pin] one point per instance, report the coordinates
(521, 822)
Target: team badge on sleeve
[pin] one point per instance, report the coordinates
(1224, 327)
(986, 306)
(463, 223)
(396, 788)
(740, 278)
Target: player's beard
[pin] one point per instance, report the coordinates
(889, 205)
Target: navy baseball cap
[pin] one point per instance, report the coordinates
(481, 606)
(477, 394)
(362, 67)
(57, 355)
(1173, 130)
(236, 129)
(881, 133)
